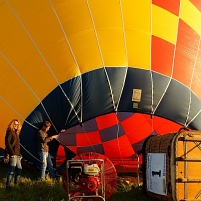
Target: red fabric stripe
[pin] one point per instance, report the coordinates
(172, 5)
(87, 139)
(137, 128)
(106, 121)
(164, 126)
(186, 51)
(162, 56)
(120, 147)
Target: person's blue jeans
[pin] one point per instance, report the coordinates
(46, 162)
(14, 169)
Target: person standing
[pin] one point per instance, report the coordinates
(43, 150)
(13, 155)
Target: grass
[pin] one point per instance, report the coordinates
(31, 188)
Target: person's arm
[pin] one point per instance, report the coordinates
(44, 138)
(54, 136)
(8, 144)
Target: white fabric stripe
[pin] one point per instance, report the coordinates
(190, 93)
(126, 52)
(96, 35)
(75, 60)
(66, 38)
(152, 111)
(98, 43)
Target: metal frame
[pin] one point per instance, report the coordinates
(102, 180)
(138, 168)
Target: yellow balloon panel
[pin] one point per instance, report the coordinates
(15, 92)
(30, 10)
(106, 14)
(107, 19)
(190, 15)
(139, 49)
(48, 38)
(112, 47)
(80, 34)
(165, 24)
(6, 75)
(35, 74)
(5, 29)
(75, 18)
(25, 57)
(138, 32)
(137, 15)
(7, 114)
(86, 51)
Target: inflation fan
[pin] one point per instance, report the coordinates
(89, 176)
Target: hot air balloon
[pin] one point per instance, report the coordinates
(110, 72)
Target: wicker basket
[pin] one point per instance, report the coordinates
(172, 166)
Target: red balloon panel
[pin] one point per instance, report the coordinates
(117, 136)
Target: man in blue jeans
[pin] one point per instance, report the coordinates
(43, 150)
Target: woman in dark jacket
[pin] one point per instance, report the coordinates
(12, 143)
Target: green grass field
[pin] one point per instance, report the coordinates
(31, 188)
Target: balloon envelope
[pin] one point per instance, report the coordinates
(72, 61)
(118, 137)
(114, 135)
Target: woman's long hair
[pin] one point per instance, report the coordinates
(11, 126)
